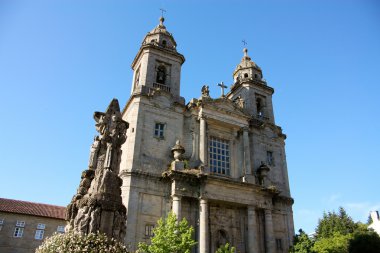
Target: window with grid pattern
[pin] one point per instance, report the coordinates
(159, 130)
(18, 232)
(61, 229)
(219, 156)
(39, 234)
(20, 223)
(41, 226)
(149, 230)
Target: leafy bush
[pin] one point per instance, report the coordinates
(75, 242)
(170, 236)
(225, 249)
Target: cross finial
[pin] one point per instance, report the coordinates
(244, 42)
(162, 12)
(222, 86)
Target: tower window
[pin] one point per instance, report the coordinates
(161, 75)
(164, 43)
(260, 107)
(245, 75)
(159, 130)
(255, 75)
(219, 154)
(270, 159)
(137, 77)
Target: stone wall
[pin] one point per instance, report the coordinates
(27, 243)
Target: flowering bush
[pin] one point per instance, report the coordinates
(75, 243)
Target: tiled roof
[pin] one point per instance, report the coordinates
(30, 208)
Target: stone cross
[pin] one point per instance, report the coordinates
(244, 42)
(222, 86)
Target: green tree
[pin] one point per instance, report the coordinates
(225, 249)
(364, 241)
(78, 243)
(170, 236)
(333, 223)
(336, 243)
(302, 243)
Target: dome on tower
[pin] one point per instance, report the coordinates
(247, 68)
(159, 36)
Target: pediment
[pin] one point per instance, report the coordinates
(225, 105)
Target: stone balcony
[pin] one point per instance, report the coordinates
(161, 87)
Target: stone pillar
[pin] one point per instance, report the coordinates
(248, 177)
(247, 153)
(203, 141)
(269, 239)
(203, 227)
(177, 210)
(252, 230)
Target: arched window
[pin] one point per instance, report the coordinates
(164, 43)
(245, 75)
(161, 75)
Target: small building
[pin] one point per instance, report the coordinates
(375, 225)
(24, 225)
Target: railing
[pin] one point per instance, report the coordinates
(161, 87)
(262, 117)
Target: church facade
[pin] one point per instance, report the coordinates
(220, 163)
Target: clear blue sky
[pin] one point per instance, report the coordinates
(62, 60)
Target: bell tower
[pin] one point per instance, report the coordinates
(250, 87)
(157, 64)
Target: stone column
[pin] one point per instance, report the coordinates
(248, 177)
(247, 153)
(202, 141)
(252, 230)
(269, 239)
(203, 227)
(177, 206)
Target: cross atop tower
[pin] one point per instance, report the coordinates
(222, 86)
(244, 42)
(162, 12)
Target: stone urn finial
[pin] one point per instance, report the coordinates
(177, 151)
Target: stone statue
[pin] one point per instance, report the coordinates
(98, 206)
(205, 91)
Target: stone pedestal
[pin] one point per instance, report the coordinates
(177, 165)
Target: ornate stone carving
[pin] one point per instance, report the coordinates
(205, 91)
(98, 206)
(177, 151)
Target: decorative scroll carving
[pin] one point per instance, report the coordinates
(98, 206)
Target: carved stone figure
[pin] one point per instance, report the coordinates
(205, 91)
(98, 206)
